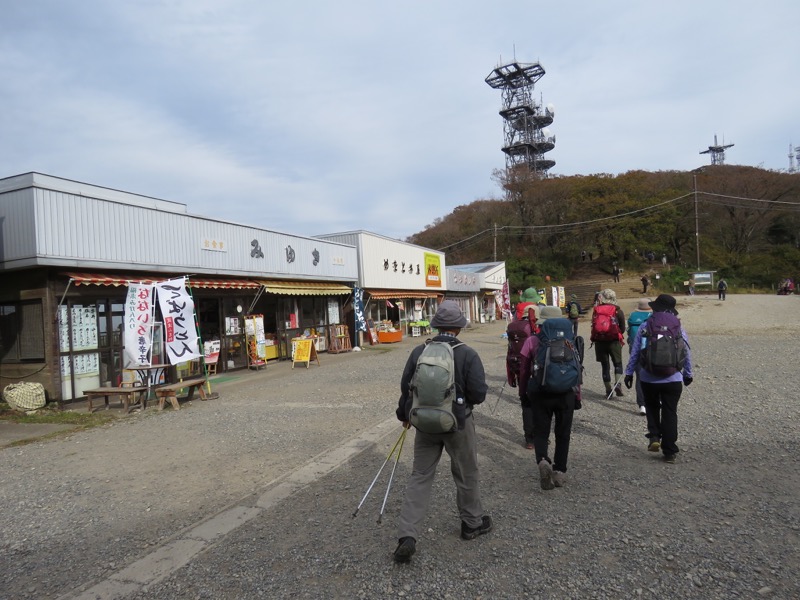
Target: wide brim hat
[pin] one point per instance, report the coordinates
(449, 316)
(549, 312)
(607, 296)
(644, 304)
(664, 303)
(530, 295)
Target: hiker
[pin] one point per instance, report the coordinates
(548, 405)
(635, 320)
(529, 297)
(608, 325)
(722, 288)
(574, 313)
(518, 332)
(645, 283)
(662, 381)
(664, 260)
(583, 255)
(461, 445)
(615, 273)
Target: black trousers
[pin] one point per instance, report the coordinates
(546, 409)
(661, 400)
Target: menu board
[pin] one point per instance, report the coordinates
(84, 328)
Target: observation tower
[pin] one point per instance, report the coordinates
(525, 121)
(717, 151)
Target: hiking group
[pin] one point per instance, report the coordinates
(444, 379)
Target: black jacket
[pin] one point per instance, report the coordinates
(470, 377)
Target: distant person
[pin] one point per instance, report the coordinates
(666, 368)
(722, 289)
(461, 445)
(574, 313)
(615, 273)
(591, 254)
(635, 320)
(518, 332)
(608, 327)
(583, 256)
(664, 259)
(691, 287)
(530, 297)
(645, 283)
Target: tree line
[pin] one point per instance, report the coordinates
(747, 218)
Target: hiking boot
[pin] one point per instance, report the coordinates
(405, 549)
(468, 533)
(529, 445)
(559, 478)
(618, 390)
(546, 475)
(608, 387)
(642, 410)
(654, 446)
(669, 458)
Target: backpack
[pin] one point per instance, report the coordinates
(557, 369)
(634, 321)
(434, 407)
(604, 324)
(573, 310)
(517, 332)
(663, 347)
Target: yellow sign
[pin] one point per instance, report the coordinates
(304, 351)
(433, 270)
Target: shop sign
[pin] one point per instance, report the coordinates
(213, 245)
(433, 270)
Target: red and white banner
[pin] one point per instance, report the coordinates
(180, 332)
(137, 333)
(505, 301)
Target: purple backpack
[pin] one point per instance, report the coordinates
(663, 347)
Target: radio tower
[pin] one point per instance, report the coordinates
(524, 120)
(717, 152)
(791, 158)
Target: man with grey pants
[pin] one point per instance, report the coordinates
(461, 445)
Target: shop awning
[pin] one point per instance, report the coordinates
(391, 294)
(304, 288)
(117, 280)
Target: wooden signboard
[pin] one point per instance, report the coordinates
(304, 352)
(373, 335)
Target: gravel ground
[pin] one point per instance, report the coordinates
(723, 522)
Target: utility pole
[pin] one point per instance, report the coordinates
(696, 222)
(495, 242)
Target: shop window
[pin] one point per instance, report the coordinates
(21, 332)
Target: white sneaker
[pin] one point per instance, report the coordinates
(642, 410)
(559, 478)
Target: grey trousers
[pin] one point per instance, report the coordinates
(462, 448)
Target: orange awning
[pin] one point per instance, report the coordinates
(304, 288)
(117, 280)
(392, 294)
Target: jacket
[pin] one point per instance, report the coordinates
(470, 377)
(644, 374)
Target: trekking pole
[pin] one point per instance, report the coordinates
(391, 477)
(369, 489)
(611, 393)
(502, 389)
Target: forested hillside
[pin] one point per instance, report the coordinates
(748, 221)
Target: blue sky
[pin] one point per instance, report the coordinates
(315, 117)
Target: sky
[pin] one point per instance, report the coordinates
(320, 117)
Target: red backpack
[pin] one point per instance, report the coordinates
(518, 332)
(604, 324)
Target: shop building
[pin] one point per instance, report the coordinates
(402, 282)
(70, 249)
(474, 287)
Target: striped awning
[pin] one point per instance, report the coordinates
(304, 288)
(117, 280)
(392, 294)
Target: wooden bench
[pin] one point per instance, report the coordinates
(128, 394)
(169, 391)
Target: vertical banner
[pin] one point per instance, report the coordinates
(433, 270)
(358, 307)
(138, 332)
(506, 301)
(180, 333)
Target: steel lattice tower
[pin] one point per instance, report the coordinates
(717, 151)
(524, 120)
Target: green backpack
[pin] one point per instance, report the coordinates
(435, 405)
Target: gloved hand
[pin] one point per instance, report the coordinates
(629, 381)
(687, 381)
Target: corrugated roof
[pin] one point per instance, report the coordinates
(392, 294)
